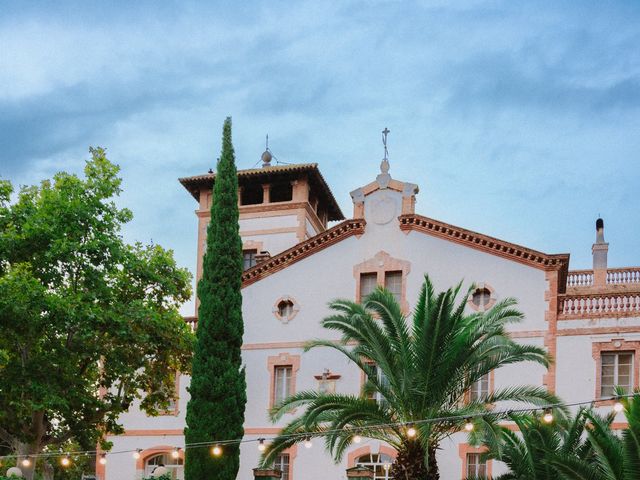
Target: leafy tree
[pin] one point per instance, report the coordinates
(616, 457)
(89, 323)
(535, 450)
(218, 387)
(423, 370)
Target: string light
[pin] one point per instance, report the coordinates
(175, 453)
(411, 431)
(468, 425)
(617, 406)
(306, 439)
(261, 446)
(548, 416)
(103, 459)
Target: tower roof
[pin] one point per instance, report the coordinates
(270, 174)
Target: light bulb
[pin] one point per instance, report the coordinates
(26, 462)
(357, 439)
(386, 466)
(411, 431)
(548, 416)
(216, 451)
(307, 443)
(103, 459)
(65, 461)
(618, 407)
(136, 454)
(468, 426)
(175, 453)
(261, 446)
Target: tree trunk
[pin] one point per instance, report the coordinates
(410, 463)
(24, 450)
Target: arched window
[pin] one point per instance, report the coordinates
(378, 462)
(174, 465)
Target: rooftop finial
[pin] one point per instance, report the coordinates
(266, 155)
(384, 166)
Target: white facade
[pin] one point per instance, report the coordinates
(387, 236)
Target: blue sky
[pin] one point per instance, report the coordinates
(518, 120)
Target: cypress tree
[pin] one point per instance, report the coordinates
(218, 387)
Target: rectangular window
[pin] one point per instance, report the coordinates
(368, 283)
(479, 389)
(249, 258)
(282, 463)
(382, 380)
(616, 370)
(393, 283)
(282, 383)
(476, 467)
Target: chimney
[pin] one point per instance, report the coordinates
(599, 251)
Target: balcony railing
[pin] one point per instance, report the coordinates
(615, 276)
(600, 305)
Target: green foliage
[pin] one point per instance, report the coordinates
(81, 311)
(218, 388)
(429, 364)
(162, 477)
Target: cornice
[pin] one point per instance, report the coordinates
(303, 250)
(485, 243)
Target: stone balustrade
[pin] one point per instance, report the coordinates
(599, 305)
(580, 278)
(615, 276)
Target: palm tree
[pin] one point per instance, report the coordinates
(536, 450)
(616, 457)
(419, 370)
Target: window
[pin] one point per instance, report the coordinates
(251, 195)
(281, 192)
(368, 283)
(479, 389)
(379, 463)
(382, 380)
(282, 383)
(285, 308)
(481, 298)
(476, 466)
(249, 259)
(174, 465)
(616, 370)
(393, 283)
(282, 463)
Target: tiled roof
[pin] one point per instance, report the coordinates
(195, 183)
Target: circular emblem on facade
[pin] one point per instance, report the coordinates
(384, 210)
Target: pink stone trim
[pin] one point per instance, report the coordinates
(464, 449)
(492, 298)
(380, 264)
(284, 359)
(615, 345)
(276, 310)
(367, 450)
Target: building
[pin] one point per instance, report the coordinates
(295, 263)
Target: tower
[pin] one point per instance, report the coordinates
(280, 206)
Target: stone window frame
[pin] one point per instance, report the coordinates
(369, 450)
(464, 449)
(492, 297)
(284, 359)
(492, 381)
(276, 308)
(615, 345)
(379, 264)
(292, 452)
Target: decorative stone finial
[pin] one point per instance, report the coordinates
(384, 177)
(266, 155)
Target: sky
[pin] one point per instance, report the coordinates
(517, 120)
